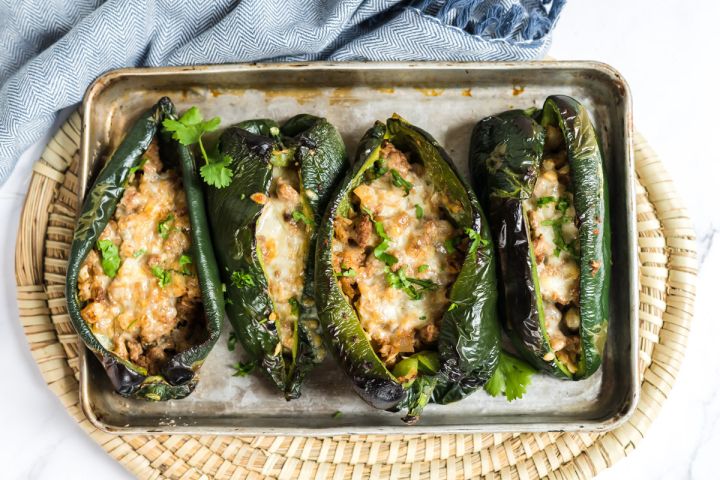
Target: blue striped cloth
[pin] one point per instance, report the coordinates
(51, 50)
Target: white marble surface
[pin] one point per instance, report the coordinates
(670, 60)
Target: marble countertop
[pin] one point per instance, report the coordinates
(668, 58)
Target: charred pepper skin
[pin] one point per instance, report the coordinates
(179, 375)
(505, 155)
(469, 340)
(319, 152)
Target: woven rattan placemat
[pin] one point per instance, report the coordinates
(667, 275)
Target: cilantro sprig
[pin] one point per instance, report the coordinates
(511, 378)
(188, 130)
(243, 369)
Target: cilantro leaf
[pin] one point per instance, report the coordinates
(382, 255)
(242, 369)
(409, 285)
(165, 226)
(299, 216)
(347, 272)
(186, 134)
(232, 341)
(476, 240)
(191, 117)
(164, 276)
(562, 205)
(423, 268)
(419, 212)
(400, 182)
(217, 174)
(110, 257)
(184, 261)
(337, 414)
(239, 279)
(139, 253)
(542, 201)
(511, 377)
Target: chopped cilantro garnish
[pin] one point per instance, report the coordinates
(511, 377)
(562, 205)
(347, 272)
(407, 284)
(419, 212)
(110, 257)
(184, 261)
(380, 250)
(188, 130)
(139, 253)
(476, 240)
(239, 279)
(165, 226)
(164, 276)
(382, 255)
(542, 201)
(400, 182)
(232, 341)
(299, 216)
(242, 369)
(337, 414)
(423, 268)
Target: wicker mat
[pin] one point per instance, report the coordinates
(667, 275)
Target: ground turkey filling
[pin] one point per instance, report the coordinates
(396, 255)
(140, 288)
(551, 214)
(282, 235)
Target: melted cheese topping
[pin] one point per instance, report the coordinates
(135, 314)
(283, 243)
(395, 322)
(551, 214)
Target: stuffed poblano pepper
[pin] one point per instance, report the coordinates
(143, 288)
(264, 227)
(405, 275)
(548, 208)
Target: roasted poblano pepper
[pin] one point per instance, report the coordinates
(543, 184)
(457, 353)
(264, 227)
(177, 376)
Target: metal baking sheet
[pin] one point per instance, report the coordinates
(446, 100)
